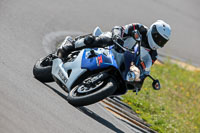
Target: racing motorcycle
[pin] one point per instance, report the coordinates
(92, 74)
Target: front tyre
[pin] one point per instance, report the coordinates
(42, 69)
(83, 94)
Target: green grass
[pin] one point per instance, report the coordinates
(174, 108)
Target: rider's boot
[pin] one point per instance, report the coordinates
(65, 47)
(70, 45)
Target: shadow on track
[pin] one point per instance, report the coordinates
(89, 113)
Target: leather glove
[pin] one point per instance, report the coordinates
(136, 35)
(118, 39)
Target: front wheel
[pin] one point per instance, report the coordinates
(88, 93)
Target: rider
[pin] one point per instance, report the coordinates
(153, 38)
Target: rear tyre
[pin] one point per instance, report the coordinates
(82, 95)
(42, 69)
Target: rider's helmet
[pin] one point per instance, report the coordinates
(158, 34)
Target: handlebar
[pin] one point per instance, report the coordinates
(123, 48)
(137, 37)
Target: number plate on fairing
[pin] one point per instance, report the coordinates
(62, 76)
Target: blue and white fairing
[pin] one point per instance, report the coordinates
(104, 58)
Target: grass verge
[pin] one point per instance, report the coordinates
(174, 108)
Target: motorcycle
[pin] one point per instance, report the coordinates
(92, 74)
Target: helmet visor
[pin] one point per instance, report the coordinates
(158, 39)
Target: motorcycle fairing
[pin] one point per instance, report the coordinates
(68, 72)
(104, 58)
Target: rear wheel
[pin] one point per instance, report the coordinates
(42, 69)
(91, 90)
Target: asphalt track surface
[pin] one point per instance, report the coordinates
(27, 105)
